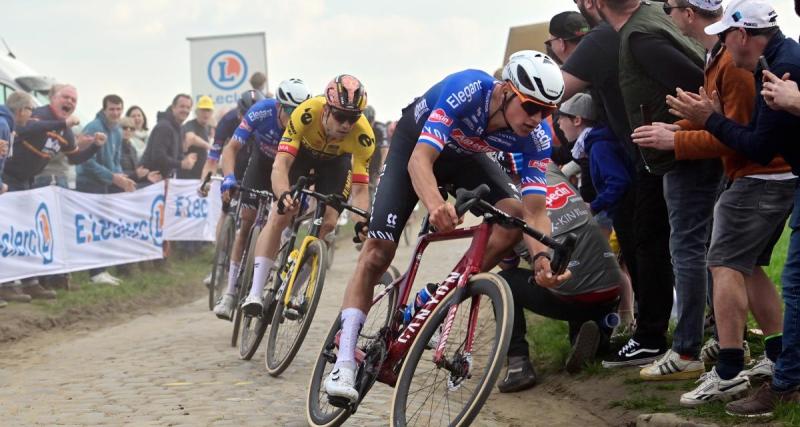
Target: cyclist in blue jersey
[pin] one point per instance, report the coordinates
(262, 127)
(443, 138)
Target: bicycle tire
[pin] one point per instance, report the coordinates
(500, 313)
(316, 253)
(222, 255)
(377, 318)
(245, 281)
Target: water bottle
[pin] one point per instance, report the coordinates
(423, 296)
(289, 265)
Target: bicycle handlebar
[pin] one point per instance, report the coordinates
(562, 252)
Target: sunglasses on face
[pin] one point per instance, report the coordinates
(668, 9)
(128, 128)
(288, 110)
(533, 107)
(345, 117)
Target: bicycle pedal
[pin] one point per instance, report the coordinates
(291, 313)
(339, 402)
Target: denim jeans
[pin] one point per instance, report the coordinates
(690, 191)
(787, 370)
(45, 180)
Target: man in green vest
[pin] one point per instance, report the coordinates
(674, 200)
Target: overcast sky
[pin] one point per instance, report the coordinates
(138, 49)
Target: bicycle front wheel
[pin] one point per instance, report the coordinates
(245, 282)
(453, 391)
(222, 254)
(290, 322)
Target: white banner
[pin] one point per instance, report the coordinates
(221, 66)
(29, 241)
(189, 216)
(101, 230)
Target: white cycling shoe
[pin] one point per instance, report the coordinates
(340, 385)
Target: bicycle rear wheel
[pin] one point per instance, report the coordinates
(245, 282)
(290, 324)
(222, 256)
(453, 392)
(318, 411)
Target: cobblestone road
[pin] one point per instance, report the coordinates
(176, 367)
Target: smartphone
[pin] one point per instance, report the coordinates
(647, 115)
(763, 62)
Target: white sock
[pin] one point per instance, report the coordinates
(352, 321)
(233, 272)
(261, 266)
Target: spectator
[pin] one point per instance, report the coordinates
(45, 135)
(129, 159)
(610, 168)
(742, 239)
(197, 137)
(259, 82)
(103, 172)
(139, 138)
(566, 31)
(750, 30)
(594, 66)
(583, 301)
(654, 60)
(376, 162)
(16, 112)
(164, 151)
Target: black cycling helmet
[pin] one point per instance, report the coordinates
(247, 100)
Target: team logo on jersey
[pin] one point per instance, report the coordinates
(227, 69)
(471, 143)
(541, 165)
(439, 116)
(558, 195)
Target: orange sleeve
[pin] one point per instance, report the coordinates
(736, 87)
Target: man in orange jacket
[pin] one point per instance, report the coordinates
(748, 218)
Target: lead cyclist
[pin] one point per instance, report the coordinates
(442, 138)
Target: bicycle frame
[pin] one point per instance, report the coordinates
(399, 345)
(313, 234)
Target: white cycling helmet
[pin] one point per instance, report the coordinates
(535, 76)
(292, 92)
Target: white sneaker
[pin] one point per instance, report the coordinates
(253, 306)
(207, 280)
(341, 384)
(672, 367)
(714, 388)
(224, 307)
(104, 278)
(761, 371)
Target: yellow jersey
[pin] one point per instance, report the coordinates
(305, 131)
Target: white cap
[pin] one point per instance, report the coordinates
(706, 4)
(745, 14)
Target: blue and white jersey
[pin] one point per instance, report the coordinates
(453, 116)
(261, 123)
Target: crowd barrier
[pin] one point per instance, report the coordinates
(53, 230)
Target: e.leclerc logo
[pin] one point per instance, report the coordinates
(37, 242)
(227, 69)
(90, 228)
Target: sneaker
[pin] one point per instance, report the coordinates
(761, 371)
(13, 294)
(207, 280)
(225, 306)
(713, 388)
(585, 347)
(673, 367)
(104, 278)
(36, 291)
(519, 376)
(253, 306)
(634, 354)
(340, 386)
(3, 303)
(761, 403)
(710, 352)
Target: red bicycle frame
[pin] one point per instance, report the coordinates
(398, 346)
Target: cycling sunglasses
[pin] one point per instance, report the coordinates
(345, 116)
(532, 106)
(288, 109)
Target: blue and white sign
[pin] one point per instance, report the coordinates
(221, 66)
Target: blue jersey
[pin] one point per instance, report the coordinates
(225, 129)
(454, 115)
(261, 123)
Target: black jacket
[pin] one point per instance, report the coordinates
(164, 150)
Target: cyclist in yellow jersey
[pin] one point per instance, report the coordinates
(329, 135)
